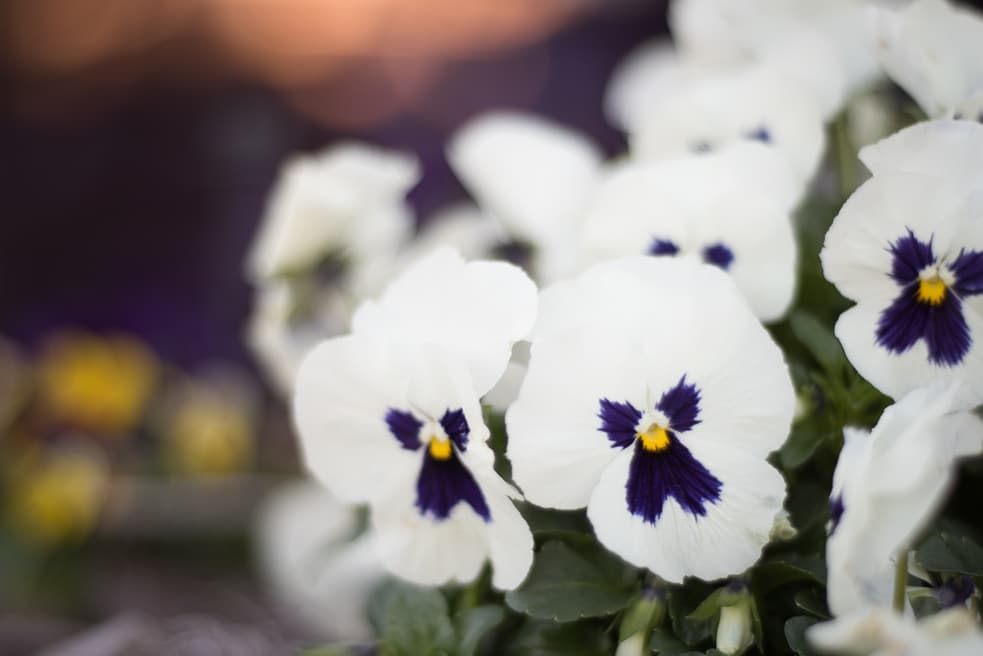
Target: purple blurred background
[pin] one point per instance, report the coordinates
(134, 178)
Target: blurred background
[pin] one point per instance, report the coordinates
(139, 140)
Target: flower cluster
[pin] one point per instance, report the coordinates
(680, 412)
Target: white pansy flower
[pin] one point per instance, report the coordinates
(348, 200)
(534, 176)
(653, 396)
(750, 104)
(316, 566)
(390, 415)
(881, 632)
(887, 486)
(907, 247)
(728, 208)
(934, 50)
(732, 30)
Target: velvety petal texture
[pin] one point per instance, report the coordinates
(664, 443)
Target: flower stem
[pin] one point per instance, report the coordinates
(900, 581)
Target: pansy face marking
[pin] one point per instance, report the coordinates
(930, 305)
(759, 134)
(717, 254)
(661, 466)
(444, 481)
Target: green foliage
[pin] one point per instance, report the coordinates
(954, 548)
(569, 582)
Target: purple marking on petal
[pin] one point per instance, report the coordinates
(654, 476)
(663, 247)
(836, 509)
(909, 257)
(943, 327)
(718, 255)
(760, 134)
(618, 420)
(701, 147)
(443, 484)
(681, 405)
(968, 271)
(405, 427)
(456, 426)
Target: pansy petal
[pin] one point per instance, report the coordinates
(475, 309)
(936, 149)
(510, 544)
(726, 540)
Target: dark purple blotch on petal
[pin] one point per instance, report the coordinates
(619, 420)
(456, 426)
(836, 509)
(955, 592)
(663, 247)
(654, 476)
(942, 326)
(718, 255)
(681, 405)
(761, 134)
(967, 269)
(443, 484)
(405, 428)
(909, 256)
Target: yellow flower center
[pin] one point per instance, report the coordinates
(931, 290)
(655, 438)
(440, 449)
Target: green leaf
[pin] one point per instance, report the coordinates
(545, 524)
(539, 638)
(682, 601)
(328, 651)
(414, 622)
(665, 643)
(717, 599)
(812, 602)
(795, 629)
(473, 624)
(805, 438)
(955, 548)
(819, 341)
(569, 582)
(781, 569)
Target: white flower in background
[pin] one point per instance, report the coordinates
(390, 415)
(887, 487)
(348, 200)
(733, 30)
(318, 567)
(724, 208)
(533, 175)
(881, 632)
(280, 333)
(753, 104)
(653, 397)
(907, 247)
(934, 50)
(656, 70)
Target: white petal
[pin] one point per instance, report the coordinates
(934, 50)
(349, 199)
(532, 174)
(475, 309)
(725, 541)
(728, 108)
(937, 149)
(510, 544)
(896, 375)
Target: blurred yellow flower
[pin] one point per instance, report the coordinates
(209, 429)
(97, 384)
(57, 497)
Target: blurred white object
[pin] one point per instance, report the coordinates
(533, 175)
(880, 632)
(348, 200)
(315, 566)
(934, 50)
(887, 486)
(729, 208)
(279, 338)
(756, 104)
